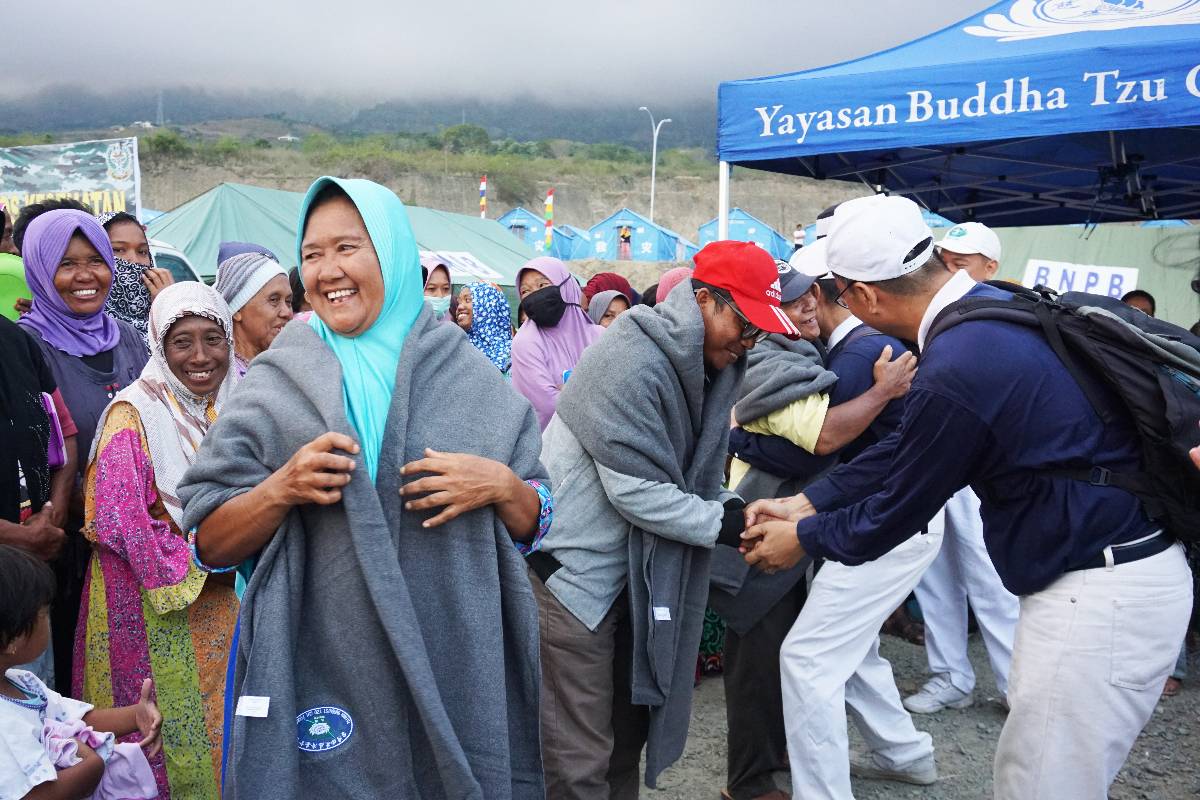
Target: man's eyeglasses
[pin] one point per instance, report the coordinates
(839, 300)
(749, 329)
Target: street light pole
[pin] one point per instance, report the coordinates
(653, 153)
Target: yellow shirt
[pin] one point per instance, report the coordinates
(800, 422)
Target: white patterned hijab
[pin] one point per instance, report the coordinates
(174, 419)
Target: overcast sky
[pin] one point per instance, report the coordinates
(604, 50)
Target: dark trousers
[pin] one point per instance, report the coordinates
(757, 743)
(592, 734)
(69, 570)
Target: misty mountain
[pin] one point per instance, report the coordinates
(529, 119)
(67, 108)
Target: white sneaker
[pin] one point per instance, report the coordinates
(922, 772)
(937, 694)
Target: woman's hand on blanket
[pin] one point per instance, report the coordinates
(790, 509)
(149, 720)
(772, 546)
(895, 377)
(316, 474)
(459, 483)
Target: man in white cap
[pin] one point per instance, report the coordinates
(963, 571)
(1105, 593)
(973, 248)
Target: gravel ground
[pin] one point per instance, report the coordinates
(1163, 766)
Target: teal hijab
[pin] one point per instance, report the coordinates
(369, 360)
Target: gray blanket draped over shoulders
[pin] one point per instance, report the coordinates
(426, 639)
(778, 373)
(638, 403)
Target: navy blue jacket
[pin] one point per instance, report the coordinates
(991, 407)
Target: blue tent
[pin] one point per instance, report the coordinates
(647, 241)
(570, 243)
(526, 226)
(1030, 112)
(745, 227)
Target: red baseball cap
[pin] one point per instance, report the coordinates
(751, 277)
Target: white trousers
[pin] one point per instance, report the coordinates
(830, 659)
(1092, 652)
(963, 572)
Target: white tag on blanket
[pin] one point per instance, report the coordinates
(662, 614)
(251, 706)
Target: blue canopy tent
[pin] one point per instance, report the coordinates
(745, 227)
(646, 241)
(526, 226)
(1033, 112)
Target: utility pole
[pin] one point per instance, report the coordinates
(654, 129)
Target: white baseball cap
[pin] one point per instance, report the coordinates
(970, 238)
(810, 260)
(824, 219)
(877, 238)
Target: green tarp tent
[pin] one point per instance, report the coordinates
(474, 248)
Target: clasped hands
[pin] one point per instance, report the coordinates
(769, 541)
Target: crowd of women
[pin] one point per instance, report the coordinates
(114, 375)
(303, 511)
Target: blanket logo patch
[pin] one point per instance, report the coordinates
(323, 728)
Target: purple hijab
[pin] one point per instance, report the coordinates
(46, 242)
(541, 356)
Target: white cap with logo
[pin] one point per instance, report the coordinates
(972, 238)
(878, 238)
(810, 260)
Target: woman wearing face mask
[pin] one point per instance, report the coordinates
(136, 281)
(148, 611)
(484, 314)
(557, 330)
(389, 618)
(69, 269)
(259, 295)
(437, 289)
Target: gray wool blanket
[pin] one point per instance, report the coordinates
(399, 662)
(779, 372)
(639, 403)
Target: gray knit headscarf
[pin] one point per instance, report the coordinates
(241, 277)
(600, 303)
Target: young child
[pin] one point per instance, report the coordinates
(53, 747)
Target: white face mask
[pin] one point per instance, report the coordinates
(438, 305)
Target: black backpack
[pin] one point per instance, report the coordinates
(1153, 367)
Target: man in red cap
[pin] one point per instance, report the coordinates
(636, 454)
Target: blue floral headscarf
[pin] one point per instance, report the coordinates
(491, 325)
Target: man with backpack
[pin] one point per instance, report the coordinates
(1105, 589)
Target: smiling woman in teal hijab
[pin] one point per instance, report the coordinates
(346, 441)
(369, 315)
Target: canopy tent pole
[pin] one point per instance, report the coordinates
(723, 201)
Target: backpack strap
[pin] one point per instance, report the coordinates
(861, 332)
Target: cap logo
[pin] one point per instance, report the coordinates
(774, 291)
(957, 232)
